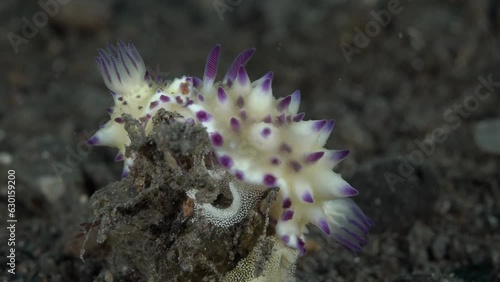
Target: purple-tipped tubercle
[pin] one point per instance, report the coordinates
(323, 225)
(319, 124)
(153, 104)
(265, 132)
(329, 127)
(269, 180)
(221, 95)
(94, 140)
(287, 215)
(164, 98)
(307, 197)
(283, 104)
(339, 155)
(269, 75)
(349, 191)
(240, 175)
(217, 139)
(119, 157)
(242, 76)
(235, 124)
(287, 203)
(196, 82)
(203, 116)
(266, 86)
(226, 161)
(298, 117)
(314, 157)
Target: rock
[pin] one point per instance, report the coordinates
(52, 187)
(5, 158)
(146, 220)
(487, 135)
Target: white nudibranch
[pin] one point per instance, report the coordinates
(257, 138)
(264, 141)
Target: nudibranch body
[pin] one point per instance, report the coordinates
(265, 141)
(259, 139)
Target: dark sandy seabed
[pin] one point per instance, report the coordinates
(417, 77)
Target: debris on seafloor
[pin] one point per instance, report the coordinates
(487, 136)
